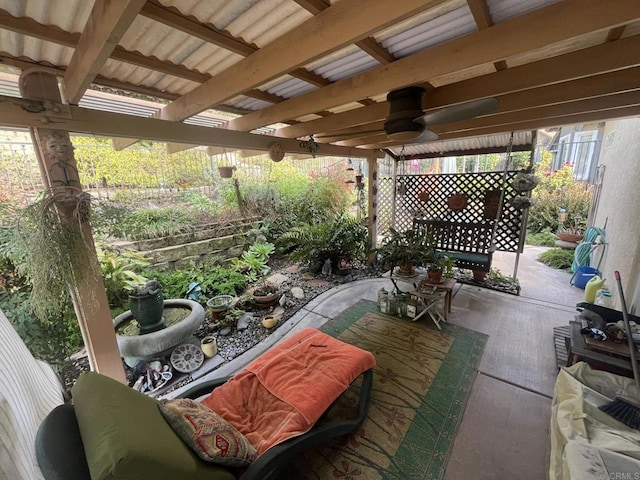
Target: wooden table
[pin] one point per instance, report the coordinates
(614, 361)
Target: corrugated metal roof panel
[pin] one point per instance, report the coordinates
(291, 88)
(248, 103)
(504, 9)
(346, 66)
(465, 144)
(453, 24)
(419, 19)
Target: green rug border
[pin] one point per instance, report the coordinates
(467, 344)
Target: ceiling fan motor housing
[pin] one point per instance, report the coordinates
(405, 105)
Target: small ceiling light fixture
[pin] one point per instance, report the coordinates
(310, 145)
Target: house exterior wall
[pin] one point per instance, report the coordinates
(619, 206)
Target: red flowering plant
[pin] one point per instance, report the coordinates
(559, 190)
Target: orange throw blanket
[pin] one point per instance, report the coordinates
(284, 392)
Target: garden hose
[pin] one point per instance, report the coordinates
(582, 255)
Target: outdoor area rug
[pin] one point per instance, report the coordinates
(422, 382)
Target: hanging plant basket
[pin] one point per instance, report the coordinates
(521, 202)
(226, 172)
(524, 182)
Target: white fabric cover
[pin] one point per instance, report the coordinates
(575, 416)
(29, 390)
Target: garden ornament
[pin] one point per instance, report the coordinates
(521, 202)
(194, 291)
(524, 182)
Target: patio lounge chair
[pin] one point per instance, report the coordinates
(116, 432)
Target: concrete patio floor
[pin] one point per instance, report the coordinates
(504, 430)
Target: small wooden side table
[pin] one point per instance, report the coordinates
(447, 286)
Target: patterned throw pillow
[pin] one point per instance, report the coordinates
(207, 433)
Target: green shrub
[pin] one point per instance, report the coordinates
(559, 258)
(558, 190)
(253, 262)
(51, 338)
(343, 237)
(214, 280)
(200, 203)
(153, 223)
(120, 274)
(544, 238)
(290, 197)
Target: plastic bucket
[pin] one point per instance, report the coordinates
(583, 275)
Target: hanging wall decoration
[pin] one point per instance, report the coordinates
(423, 196)
(457, 201)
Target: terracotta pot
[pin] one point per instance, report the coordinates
(405, 269)
(435, 276)
(266, 299)
(570, 237)
(479, 276)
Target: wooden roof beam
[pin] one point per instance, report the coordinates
(607, 57)
(190, 25)
(536, 29)
(369, 44)
(547, 116)
(16, 112)
(597, 116)
(107, 23)
(482, 17)
(341, 24)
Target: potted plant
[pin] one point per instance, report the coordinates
(405, 250)
(339, 241)
(266, 294)
(571, 231)
(147, 306)
(226, 171)
(437, 266)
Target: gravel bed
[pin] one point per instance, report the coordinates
(239, 341)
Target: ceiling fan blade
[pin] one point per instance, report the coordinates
(462, 111)
(425, 137)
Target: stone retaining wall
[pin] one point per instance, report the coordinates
(215, 242)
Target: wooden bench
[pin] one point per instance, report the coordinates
(469, 244)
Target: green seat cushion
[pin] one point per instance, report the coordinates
(126, 437)
(480, 258)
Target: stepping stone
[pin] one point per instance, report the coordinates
(277, 279)
(293, 269)
(317, 282)
(297, 292)
(224, 331)
(244, 320)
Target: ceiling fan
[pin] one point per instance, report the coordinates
(408, 123)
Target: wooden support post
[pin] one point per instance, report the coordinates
(372, 204)
(60, 175)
